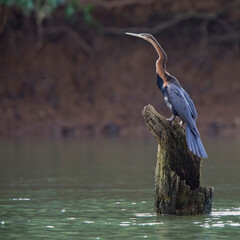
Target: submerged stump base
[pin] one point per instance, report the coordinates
(177, 176)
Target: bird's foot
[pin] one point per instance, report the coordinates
(171, 119)
(181, 124)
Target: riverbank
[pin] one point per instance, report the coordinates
(78, 81)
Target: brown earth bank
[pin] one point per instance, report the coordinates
(65, 78)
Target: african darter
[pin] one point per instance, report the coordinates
(176, 98)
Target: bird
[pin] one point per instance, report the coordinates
(176, 98)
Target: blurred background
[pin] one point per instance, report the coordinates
(68, 69)
(70, 78)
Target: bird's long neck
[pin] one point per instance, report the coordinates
(161, 72)
(161, 53)
(161, 62)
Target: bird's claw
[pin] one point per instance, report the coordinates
(181, 124)
(170, 120)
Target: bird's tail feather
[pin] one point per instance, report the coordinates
(195, 144)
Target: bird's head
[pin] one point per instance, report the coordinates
(146, 36)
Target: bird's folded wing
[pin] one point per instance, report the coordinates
(191, 104)
(181, 105)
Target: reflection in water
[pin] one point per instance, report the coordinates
(103, 189)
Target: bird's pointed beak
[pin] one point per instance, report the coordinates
(134, 34)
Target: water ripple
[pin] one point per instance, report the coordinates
(227, 212)
(145, 214)
(20, 199)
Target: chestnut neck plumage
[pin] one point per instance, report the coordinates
(161, 62)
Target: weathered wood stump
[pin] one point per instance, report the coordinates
(177, 176)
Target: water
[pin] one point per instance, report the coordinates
(103, 189)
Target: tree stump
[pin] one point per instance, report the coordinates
(177, 176)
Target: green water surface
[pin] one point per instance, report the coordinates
(104, 189)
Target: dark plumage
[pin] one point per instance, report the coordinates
(176, 98)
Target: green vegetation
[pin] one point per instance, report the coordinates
(43, 9)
